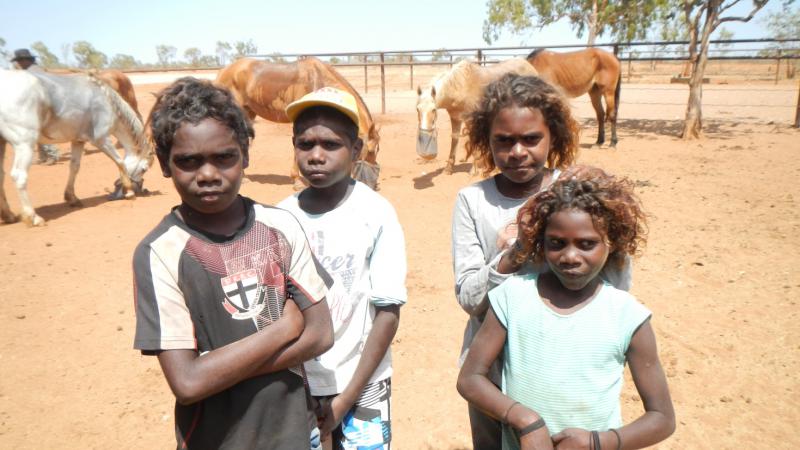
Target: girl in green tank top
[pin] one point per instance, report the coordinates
(565, 334)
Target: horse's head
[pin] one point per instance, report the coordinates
(426, 123)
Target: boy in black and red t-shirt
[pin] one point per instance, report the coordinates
(212, 282)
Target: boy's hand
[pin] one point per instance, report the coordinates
(572, 439)
(333, 412)
(292, 319)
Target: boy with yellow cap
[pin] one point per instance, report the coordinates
(355, 235)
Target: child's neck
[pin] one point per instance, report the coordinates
(322, 200)
(511, 189)
(563, 300)
(225, 223)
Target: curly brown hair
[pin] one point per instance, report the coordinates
(616, 213)
(523, 91)
(192, 100)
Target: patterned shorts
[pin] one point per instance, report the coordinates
(367, 425)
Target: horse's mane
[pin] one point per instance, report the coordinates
(535, 52)
(128, 116)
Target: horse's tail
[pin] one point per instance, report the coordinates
(616, 91)
(128, 118)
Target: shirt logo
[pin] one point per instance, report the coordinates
(244, 297)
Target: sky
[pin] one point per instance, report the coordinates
(287, 27)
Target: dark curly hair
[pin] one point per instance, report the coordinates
(523, 91)
(616, 213)
(192, 100)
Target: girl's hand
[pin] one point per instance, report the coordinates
(536, 440)
(572, 439)
(506, 236)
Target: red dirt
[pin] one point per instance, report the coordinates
(720, 273)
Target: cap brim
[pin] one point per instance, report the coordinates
(295, 108)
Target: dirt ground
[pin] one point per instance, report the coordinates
(720, 273)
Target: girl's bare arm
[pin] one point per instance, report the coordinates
(658, 421)
(474, 385)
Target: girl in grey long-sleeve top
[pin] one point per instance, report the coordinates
(523, 127)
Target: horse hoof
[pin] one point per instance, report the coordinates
(33, 221)
(130, 195)
(8, 217)
(75, 203)
(448, 170)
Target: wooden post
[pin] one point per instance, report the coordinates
(383, 86)
(411, 83)
(451, 61)
(797, 113)
(480, 57)
(365, 75)
(778, 68)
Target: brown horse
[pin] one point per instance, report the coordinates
(122, 84)
(458, 91)
(591, 70)
(264, 89)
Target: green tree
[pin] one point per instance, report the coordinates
(701, 18)
(244, 48)
(723, 35)
(193, 56)
(334, 60)
(123, 62)
(440, 55)
(165, 54)
(623, 20)
(46, 57)
(223, 52)
(87, 56)
(784, 25)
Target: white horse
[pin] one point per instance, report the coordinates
(457, 90)
(50, 108)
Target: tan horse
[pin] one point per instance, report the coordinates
(591, 70)
(458, 91)
(264, 89)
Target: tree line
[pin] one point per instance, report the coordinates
(83, 55)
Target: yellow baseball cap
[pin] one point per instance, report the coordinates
(328, 96)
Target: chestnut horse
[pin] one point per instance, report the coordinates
(458, 91)
(122, 84)
(264, 89)
(591, 70)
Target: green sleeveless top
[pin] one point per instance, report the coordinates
(567, 368)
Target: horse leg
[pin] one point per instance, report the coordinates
(5, 210)
(455, 133)
(76, 152)
(23, 157)
(104, 144)
(597, 104)
(611, 114)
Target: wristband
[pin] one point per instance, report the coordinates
(508, 410)
(596, 441)
(619, 438)
(532, 427)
